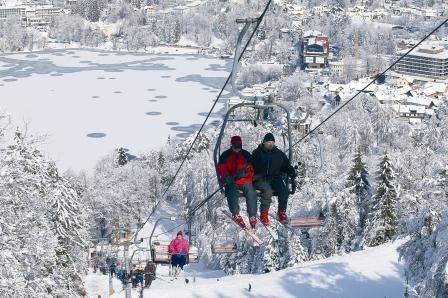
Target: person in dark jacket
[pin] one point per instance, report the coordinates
(150, 273)
(236, 173)
(270, 163)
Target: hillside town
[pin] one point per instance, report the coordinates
(412, 90)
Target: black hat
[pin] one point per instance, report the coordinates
(269, 137)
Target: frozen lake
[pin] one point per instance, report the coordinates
(90, 102)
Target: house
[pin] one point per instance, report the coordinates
(428, 61)
(150, 10)
(301, 122)
(428, 103)
(337, 67)
(404, 81)
(315, 50)
(411, 113)
(385, 97)
(361, 85)
(335, 88)
(435, 89)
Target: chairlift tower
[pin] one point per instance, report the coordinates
(248, 22)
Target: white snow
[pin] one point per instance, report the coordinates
(374, 272)
(70, 93)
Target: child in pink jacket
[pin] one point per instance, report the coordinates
(179, 249)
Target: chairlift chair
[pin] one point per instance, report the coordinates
(223, 244)
(160, 252)
(262, 113)
(161, 256)
(228, 248)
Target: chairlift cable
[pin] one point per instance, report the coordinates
(314, 130)
(370, 83)
(197, 207)
(170, 230)
(259, 20)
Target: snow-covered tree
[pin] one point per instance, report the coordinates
(67, 28)
(348, 222)
(42, 243)
(202, 143)
(297, 253)
(121, 197)
(69, 218)
(381, 220)
(122, 158)
(286, 251)
(90, 9)
(426, 257)
(272, 256)
(358, 184)
(26, 259)
(13, 37)
(324, 241)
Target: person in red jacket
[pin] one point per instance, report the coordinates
(179, 250)
(236, 173)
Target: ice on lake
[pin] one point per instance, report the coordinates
(89, 109)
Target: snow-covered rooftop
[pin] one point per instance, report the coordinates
(313, 40)
(434, 88)
(310, 33)
(335, 87)
(400, 108)
(419, 100)
(436, 51)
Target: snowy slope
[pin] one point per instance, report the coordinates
(375, 272)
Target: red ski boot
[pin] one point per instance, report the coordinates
(239, 220)
(253, 222)
(281, 216)
(264, 217)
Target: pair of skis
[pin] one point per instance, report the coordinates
(175, 272)
(249, 232)
(300, 223)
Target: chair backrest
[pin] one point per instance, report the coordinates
(193, 255)
(160, 253)
(224, 249)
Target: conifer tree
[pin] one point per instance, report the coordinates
(122, 158)
(381, 220)
(358, 184)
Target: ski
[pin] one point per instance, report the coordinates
(167, 281)
(270, 230)
(175, 273)
(248, 231)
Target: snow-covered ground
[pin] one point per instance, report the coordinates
(90, 102)
(375, 272)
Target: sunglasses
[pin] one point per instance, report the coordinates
(237, 146)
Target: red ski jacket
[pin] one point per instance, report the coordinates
(237, 165)
(178, 246)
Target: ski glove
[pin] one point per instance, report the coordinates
(226, 180)
(293, 187)
(240, 174)
(293, 175)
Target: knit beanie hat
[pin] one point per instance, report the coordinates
(269, 137)
(236, 140)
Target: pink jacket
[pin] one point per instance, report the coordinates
(178, 246)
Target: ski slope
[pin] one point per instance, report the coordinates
(374, 272)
